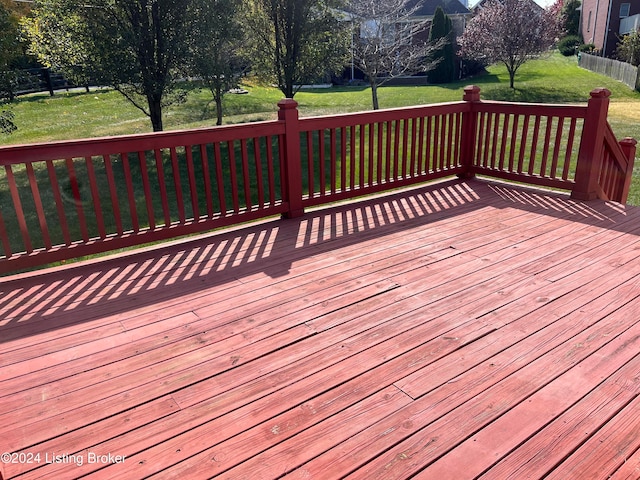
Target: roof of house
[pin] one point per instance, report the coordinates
(480, 4)
(428, 7)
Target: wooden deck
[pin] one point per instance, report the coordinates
(462, 330)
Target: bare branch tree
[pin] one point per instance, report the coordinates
(389, 41)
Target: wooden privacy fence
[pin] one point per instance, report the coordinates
(68, 199)
(621, 71)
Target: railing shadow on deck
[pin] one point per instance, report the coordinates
(104, 289)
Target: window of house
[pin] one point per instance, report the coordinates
(624, 9)
(589, 21)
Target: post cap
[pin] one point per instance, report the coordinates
(600, 93)
(287, 104)
(471, 93)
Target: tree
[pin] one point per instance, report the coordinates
(571, 17)
(10, 51)
(217, 40)
(59, 39)
(296, 41)
(388, 42)
(509, 32)
(441, 28)
(137, 46)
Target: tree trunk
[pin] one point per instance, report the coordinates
(374, 95)
(155, 113)
(218, 99)
(512, 74)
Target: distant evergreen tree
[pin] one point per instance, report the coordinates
(571, 17)
(441, 27)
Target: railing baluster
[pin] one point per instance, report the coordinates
(450, 132)
(421, 156)
(458, 140)
(414, 147)
(442, 140)
(480, 139)
(177, 185)
(35, 192)
(405, 148)
(379, 153)
(4, 238)
(310, 165)
(534, 145)
(77, 199)
(257, 157)
(206, 176)
(362, 158)
(545, 150)
(429, 162)
(523, 142)
(234, 176)
(193, 187)
(217, 158)
(556, 147)
(396, 150)
(569, 152)
(113, 193)
(246, 179)
(270, 171)
(333, 159)
(57, 197)
(512, 146)
(17, 205)
(321, 159)
(343, 159)
(352, 158)
(437, 160)
(503, 141)
(146, 186)
(164, 200)
(95, 194)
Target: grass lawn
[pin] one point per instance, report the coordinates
(554, 79)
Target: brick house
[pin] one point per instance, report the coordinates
(603, 22)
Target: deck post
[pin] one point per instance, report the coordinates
(591, 146)
(469, 121)
(628, 146)
(291, 164)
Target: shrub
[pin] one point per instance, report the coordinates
(568, 44)
(587, 48)
(629, 48)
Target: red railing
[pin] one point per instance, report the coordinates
(69, 199)
(358, 154)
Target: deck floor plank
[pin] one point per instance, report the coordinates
(462, 329)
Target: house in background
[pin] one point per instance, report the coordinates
(424, 12)
(455, 9)
(605, 21)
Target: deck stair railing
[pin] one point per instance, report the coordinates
(69, 199)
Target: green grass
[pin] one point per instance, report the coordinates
(554, 79)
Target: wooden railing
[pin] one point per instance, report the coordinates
(69, 199)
